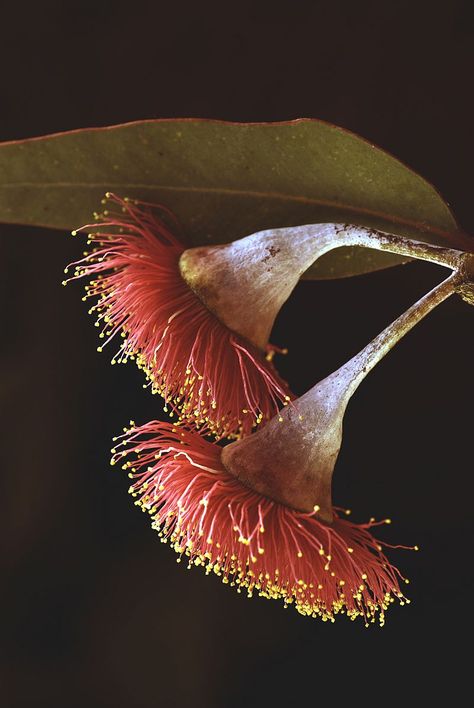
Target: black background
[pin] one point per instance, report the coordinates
(94, 611)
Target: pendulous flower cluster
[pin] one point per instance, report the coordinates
(257, 511)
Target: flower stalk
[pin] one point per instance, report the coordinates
(347, 235)
(360, 365)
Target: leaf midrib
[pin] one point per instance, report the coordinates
(417, 225)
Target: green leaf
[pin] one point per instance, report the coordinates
(226, 180)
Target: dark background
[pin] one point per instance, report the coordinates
(94, 611)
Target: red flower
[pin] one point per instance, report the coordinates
(206, 371)
(250, 541)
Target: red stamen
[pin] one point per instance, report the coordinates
(248, 540)
(207, 373)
